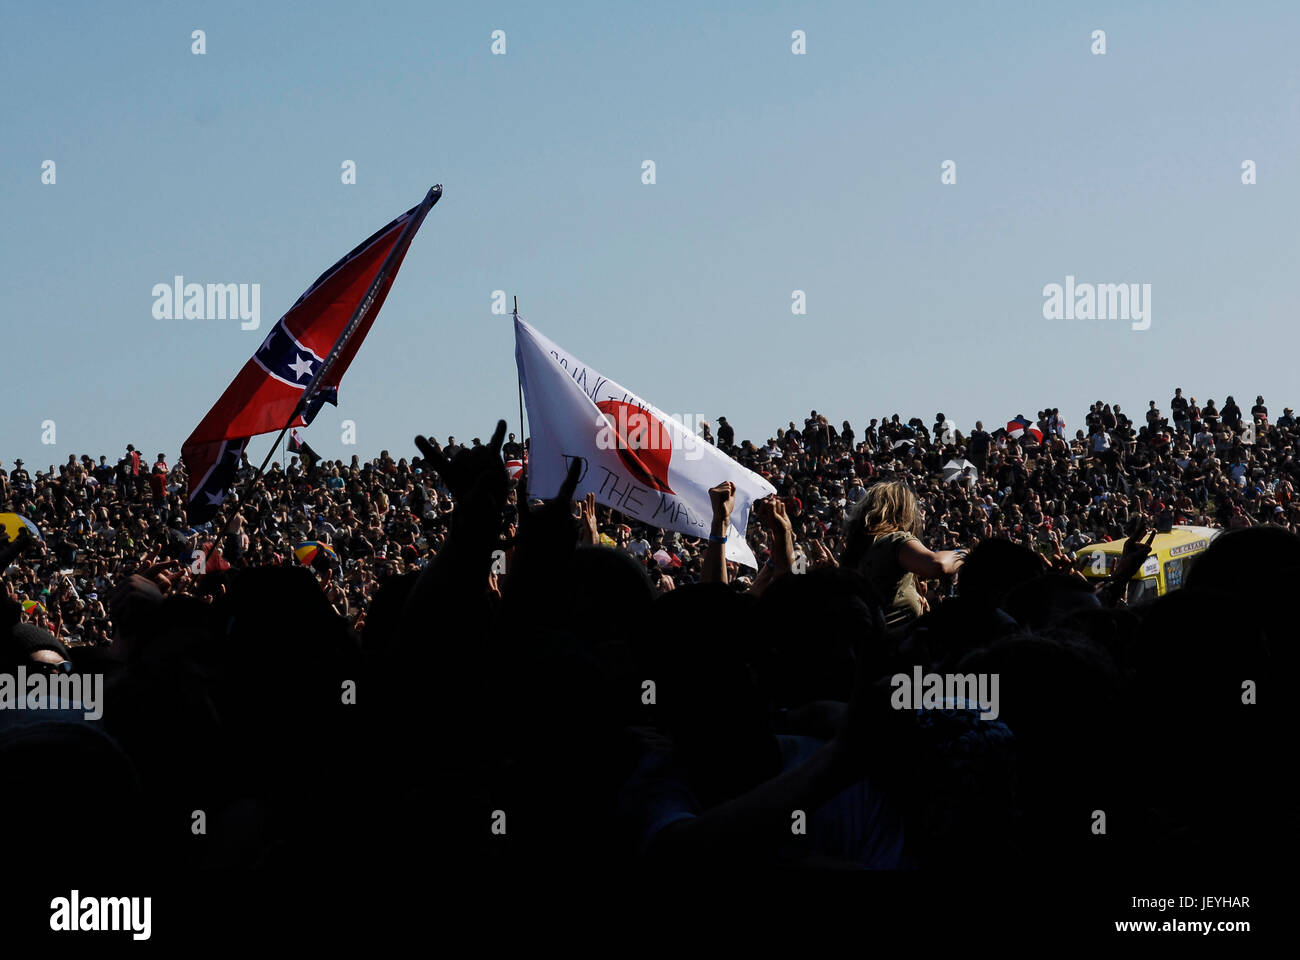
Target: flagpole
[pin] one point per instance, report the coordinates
(363, 308)
(520, 381)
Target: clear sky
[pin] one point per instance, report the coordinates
(775, 172)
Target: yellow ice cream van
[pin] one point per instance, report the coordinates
(1165, 569)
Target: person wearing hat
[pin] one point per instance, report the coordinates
(28, 644)
(21, 479)
(1259, 412)
(726, 433)
(1287, 419)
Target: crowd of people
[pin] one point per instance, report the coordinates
(546, 680)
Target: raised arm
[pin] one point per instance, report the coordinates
(917, 558)
(723, 498)
(478, 484)
(770, 511)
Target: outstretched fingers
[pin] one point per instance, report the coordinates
(498, 435)
(433, 456)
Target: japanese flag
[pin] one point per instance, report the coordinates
(634, 458)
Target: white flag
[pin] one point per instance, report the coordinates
(635, 459)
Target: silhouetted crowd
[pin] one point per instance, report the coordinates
(484, 680)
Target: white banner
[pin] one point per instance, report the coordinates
(635, 458)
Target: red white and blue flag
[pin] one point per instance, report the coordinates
(299, 365)
(1020, 426)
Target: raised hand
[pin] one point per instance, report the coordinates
(160, 568)
(723, 499)
(771, 513)
(469, 468)
(477, 480)
(824, 557)
(1136, 550)
(1061, 561)
(479, 485)
(588, 535)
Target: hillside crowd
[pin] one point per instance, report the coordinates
(564, 686)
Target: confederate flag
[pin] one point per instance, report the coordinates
(298, 367)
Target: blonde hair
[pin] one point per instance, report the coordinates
(889, 507)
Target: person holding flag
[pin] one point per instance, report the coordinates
(306, 454)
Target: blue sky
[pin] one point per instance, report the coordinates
(775, 172)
